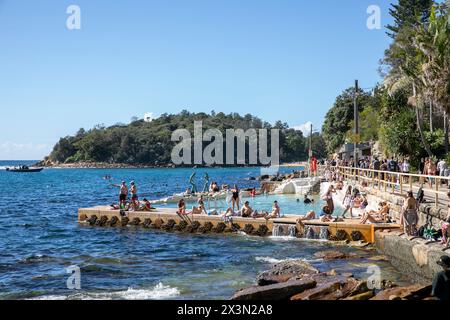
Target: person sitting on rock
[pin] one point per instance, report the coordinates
(307, 200)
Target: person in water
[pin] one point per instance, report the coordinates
(235, 197)
(307, 200)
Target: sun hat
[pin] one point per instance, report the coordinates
(444, 261)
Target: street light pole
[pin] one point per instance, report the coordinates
(356, 124)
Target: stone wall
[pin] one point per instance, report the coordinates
(415, 257)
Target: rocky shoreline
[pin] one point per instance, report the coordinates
(299, 280)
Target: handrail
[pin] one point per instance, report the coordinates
(394, 179)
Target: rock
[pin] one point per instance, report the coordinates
(334, 255)
(287, 269)
(276, 292)
(318, 292)
(413, 292)
(362, 296)
(378, 258)
(394, 297)
(272, 279)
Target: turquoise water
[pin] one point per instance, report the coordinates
(41, 238)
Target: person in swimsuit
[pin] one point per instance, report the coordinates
(181, 207)
(275, 211)
(200, 208)
(409, 217)
(328, 197)
(376, 216)
(246, 210)
(325, 215)
(235, 197)
(348, 202)
(123, 193)
(146, 205)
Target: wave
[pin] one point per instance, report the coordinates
(158, 292)
(275, 261)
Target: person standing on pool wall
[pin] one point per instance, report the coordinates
(123, 193)
(235, 197)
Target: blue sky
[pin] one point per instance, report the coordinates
(282, 60)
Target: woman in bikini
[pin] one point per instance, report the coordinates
(376, 216)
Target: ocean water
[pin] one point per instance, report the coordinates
(40, 238)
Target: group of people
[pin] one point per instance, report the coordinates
(134, 204)
(246, 211)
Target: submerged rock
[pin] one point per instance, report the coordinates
(278, 291)
(334, 255)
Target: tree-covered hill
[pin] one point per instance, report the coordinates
(149, 143)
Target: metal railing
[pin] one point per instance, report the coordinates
(397, 182)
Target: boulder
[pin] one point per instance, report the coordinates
(275, 292)
(413, 292)
(362, 296)
(334, 255)
(286, 269)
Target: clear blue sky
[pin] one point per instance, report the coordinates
(284, 60)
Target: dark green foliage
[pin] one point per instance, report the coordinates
(339, 118)
(150, 143)
(407, 13)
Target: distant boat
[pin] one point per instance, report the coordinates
(24, 169)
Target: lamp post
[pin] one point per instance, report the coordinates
(356, 124)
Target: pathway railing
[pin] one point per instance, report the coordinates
(433, 186)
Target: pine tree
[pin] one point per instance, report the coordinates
(407, 13)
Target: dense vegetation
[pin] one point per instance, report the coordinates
(408, 112)
(150, 142)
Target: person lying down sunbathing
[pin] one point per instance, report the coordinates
(380, 216)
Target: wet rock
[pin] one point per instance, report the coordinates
(124, 221)
(83, 217)
(341, 235)
(113, 221)
(356, 235)
(92, 220)
(413, 292)
(362, 296)
(235, 227)
(278, 291)
(248, 228)
(157, 223)
(147, 223)
(208, 226)
(181, 226)
(318, 292)
(378, 258)
(195, 225)
(135, 222)
(262, 230)
(284, 271)
(219, 228)
(334, 255)
(168, 225)
(102, 221)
